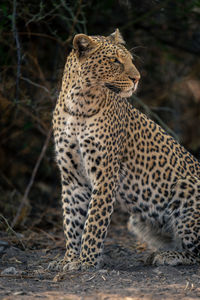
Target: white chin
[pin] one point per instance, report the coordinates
(135, 86)
(126, 94)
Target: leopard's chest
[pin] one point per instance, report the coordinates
(69, 154)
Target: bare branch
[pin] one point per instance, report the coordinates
(35, 84)
(35, 170)
(16, 37)
(11, 230)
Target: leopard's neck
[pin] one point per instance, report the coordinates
(84, 102)
(78, 96)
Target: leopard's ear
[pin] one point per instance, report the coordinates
(116, 37)
(84, 45)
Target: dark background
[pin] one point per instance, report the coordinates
(35, 39)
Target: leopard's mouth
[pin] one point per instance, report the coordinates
(123, 91)
(113, 88)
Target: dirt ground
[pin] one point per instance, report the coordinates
(123, 274)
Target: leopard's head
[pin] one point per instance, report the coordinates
(104, 61)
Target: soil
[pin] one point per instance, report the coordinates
(123, 274)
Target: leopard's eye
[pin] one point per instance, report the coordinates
(115, 60)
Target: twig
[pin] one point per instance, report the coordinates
(74, 23)
(43, 126)
(35, 84)
(169, 41)
(41, 35)
(47, 234)
(9, 183)
(24, 199)
(39, 16)
(158, 108)
(40, 73)
(11, 229)
(16, 37)
(145, 16)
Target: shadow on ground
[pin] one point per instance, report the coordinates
(123, 274)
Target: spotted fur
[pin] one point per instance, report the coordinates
(107, 150)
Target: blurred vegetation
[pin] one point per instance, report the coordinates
(36, 37)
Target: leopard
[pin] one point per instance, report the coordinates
(107, 151)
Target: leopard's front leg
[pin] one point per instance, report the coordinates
(75, 201)
(96, 225)
(102, 168)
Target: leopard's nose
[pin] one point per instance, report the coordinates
(135, 79)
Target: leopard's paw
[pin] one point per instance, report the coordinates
(165, 258)
(171, 258)
(78, 265)
(88, 266)
(64, 265)
(74, 265)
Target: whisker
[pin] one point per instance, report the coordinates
(136, 56)
(134, 48)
